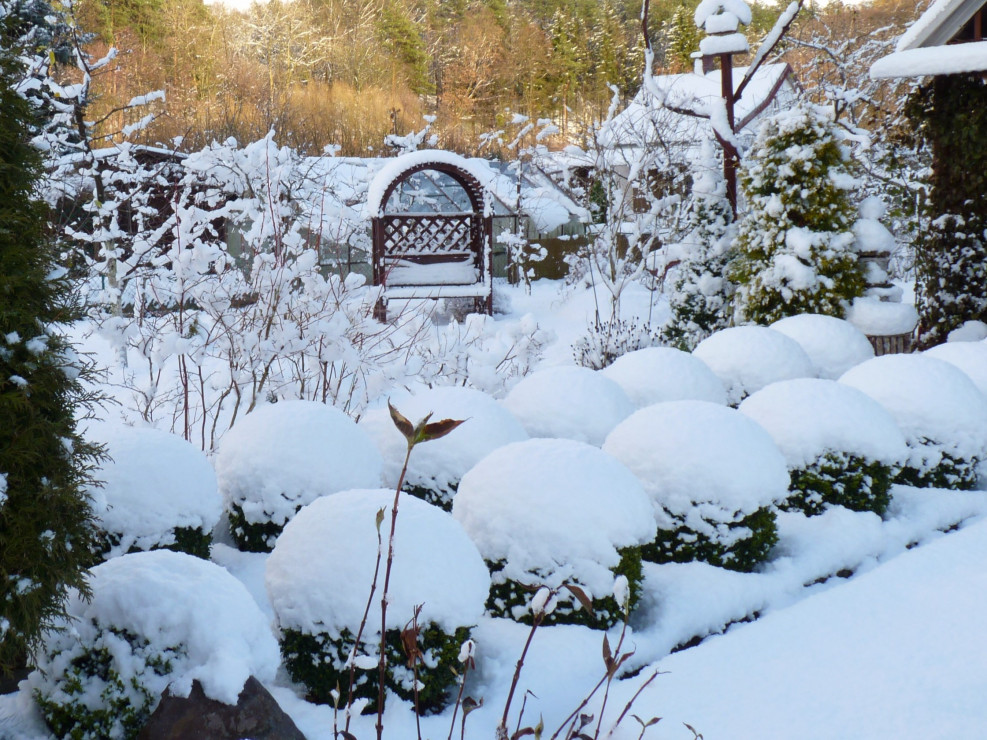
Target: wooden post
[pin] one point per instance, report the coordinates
(731, 157)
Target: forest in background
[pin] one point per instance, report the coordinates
(346, 73)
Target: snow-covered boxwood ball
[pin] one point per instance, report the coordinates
(833, 345)
(747, 358)
(435, 469)
(970, 357)
(551, 512)
(156, 491)
(157, 620)
(713, 476)
(570, 403)
(658, 374)
(940, 411)
(318, 580)
(842, 447)
(282, 456)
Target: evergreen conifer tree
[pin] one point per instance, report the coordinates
(700, 297)
(795, 246)
(45, 518)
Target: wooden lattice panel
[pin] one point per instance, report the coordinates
(428, 234)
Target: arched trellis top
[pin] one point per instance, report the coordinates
(431, 255)
(400, 169)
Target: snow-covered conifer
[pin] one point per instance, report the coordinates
(796, 248)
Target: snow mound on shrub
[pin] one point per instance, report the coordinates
(808, 418)
(318, 576)
(153, 483)
(970, 357)
(659, 374)
(833, 345)
(929, 398)
(284, 455)
(442, 462)
(877, 318)
(568, 402)
(171, 600)
(696, 456)
(557, 507)
(747, 358)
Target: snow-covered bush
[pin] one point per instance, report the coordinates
(659, 374)
(158, 491)
(569, 402)
(940, 411)
(970, 357)
(157, 620)
(747, 358)
(606, 341)
(435, 469)
(551, 512)
(795, 244)
(281, 457)
(834, 345)
(713, 475)
(701, 292)
(319, 578)
(842, 448)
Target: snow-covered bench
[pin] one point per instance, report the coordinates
(434, 254)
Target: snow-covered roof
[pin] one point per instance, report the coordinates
(924, 49)
(646, 120)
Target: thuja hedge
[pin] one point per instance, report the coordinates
(319, 662)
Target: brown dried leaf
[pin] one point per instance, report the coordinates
(409, 643)
(437, 429)
(581, 597)
(401, 422)
(607, 655)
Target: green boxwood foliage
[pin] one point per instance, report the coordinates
(511, 599)
(99, 697)
(251, 536)
(796, 249)
(951, 257)
(841, 479)
(948, 471)
(741, 545)
(436, 494)
(190, 540)
(318, 662)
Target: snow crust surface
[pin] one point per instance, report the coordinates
(833, 345)
(442, 462)
(698, 458)
(809, 417)
(555, 507)
(172, 599)
(657, 374)
(318, 577)
(569, 402)
(154, 482)
(284, 455)
(747, 358)
(929, 398)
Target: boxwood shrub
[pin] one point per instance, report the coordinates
(740, 545)
(841, 479)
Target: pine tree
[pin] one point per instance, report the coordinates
(795, 248)
(700, 297)
(45, 519)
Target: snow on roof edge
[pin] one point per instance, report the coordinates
(937, 60)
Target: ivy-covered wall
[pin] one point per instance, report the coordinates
(950, 114)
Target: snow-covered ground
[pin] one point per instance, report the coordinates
(858, 626)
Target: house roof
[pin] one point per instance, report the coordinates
(924, 49)
(652, 117)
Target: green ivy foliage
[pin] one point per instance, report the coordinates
(318, 662)
(752, 537)
(951, 257)
(511, 599)
(841, 479)
(125, 702)
(795, 244)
